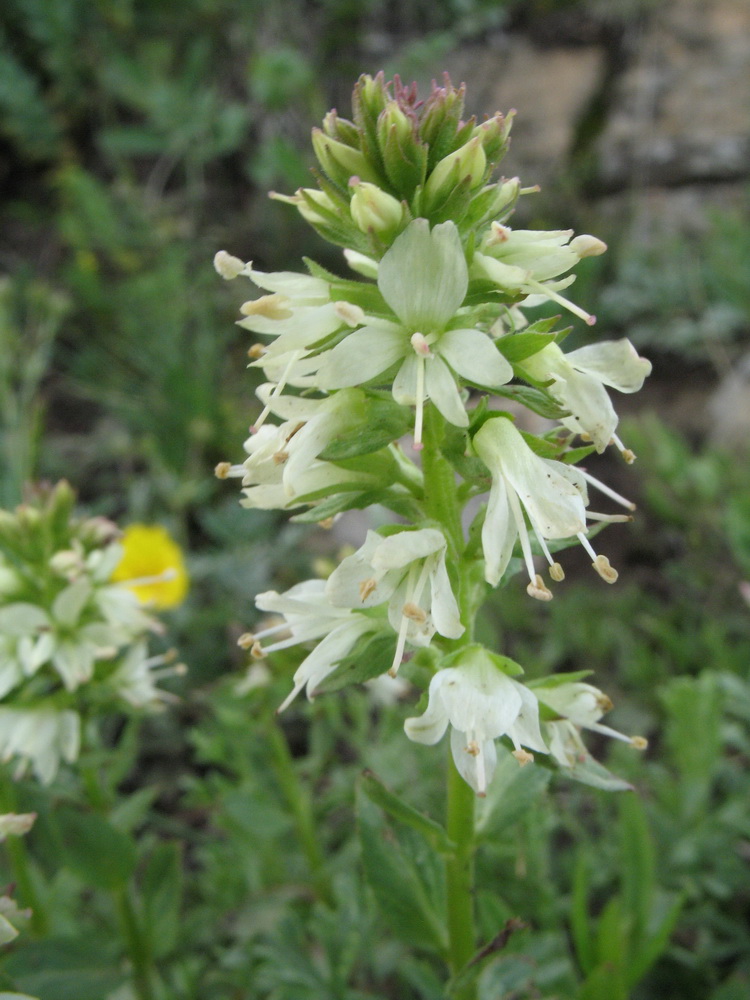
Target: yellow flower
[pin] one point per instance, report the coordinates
(152, 566)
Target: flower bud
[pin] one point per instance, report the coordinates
(441, 117)
(373, 209)
(340, 128)
(494, 136)
(307, 201)
(228, 266)
(467, 163)
(369, 98)
(340, 161)
(588, 246)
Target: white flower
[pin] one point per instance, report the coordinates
(578, 384)
(15, 824)
(309, 615)
(579, 705)
(408, 571)
(423, 278)
(135, 679)
(40, 737)
(523, 262)
(553, 495)
(481, 703)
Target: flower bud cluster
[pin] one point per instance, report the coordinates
(72, 639)
(430, 337)
(400, 159)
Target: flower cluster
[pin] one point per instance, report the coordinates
(75, 624)
(431, 329)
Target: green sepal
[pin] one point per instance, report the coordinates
(555, 680)
(454, 448)
(397, 809)
(503, 663)
(575, 455)
(536, 400)
(541, 446)
(439, 125)
(519, 346)
(402, 504)
(371, 656)
(377, 423)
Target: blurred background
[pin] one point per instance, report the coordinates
(138, 137)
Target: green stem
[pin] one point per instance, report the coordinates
(20, 866)
(459, 869)
(442, 504)
(302, 814)
(137, 946)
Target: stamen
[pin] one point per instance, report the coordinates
(422, 350)
(246, 640)
(608, 518)
(639, 742)
(279, 457)
(523, 756)
(270, 306)
(257, 652)
(541, 289)
(556, 572)
(256, 351)
(225, 470)
(414, 613)
(626, 453)
(536, 587)
(366, 587)
(277, 390)
(400, 645)
(352, 315)
(606, 490)
(146, 581)
(607, 572)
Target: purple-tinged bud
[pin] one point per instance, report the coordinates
(588, 246)
(494, 135)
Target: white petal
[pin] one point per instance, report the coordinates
(325, 657)
(429, 727)
(614, 362)
(405, 383)
(343, 585)
(499, 533)
(441, 388)
(295, 286)
(525, 729)
(397, 551)
(69, 603)
(443, 607)
(423, 276)
(590, 406)
(475, 357)
(477, 767)
(361, 356)
(481, 699)
(305, 327)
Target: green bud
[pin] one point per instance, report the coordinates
(339, 161)
(494, 134)
(368, 100)
(404, 156)
(373, 209)
(494, 202)
(440, 120)
(341, 128)
(467, 164)
(314, 206)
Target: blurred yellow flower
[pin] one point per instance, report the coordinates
(152, 566)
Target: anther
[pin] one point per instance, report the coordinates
(523, 756)
(604, 703)
(366, 587)
(414, 613)
(256, 351)
(472, 748)
(270, 306)
(280, 457)
(246, 640)
(538, 589)
(222, 470)
(352, 315)
(556, 572)
(639, 742)
(607, 572)
(256, 651)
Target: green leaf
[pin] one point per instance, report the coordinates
(638, 867)
(519, 346)
(85, 968)
(399, 810)
(162, 889)
(99, 853)
(512, 792)
(398, 882)
(580, 925)
(371, 656)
